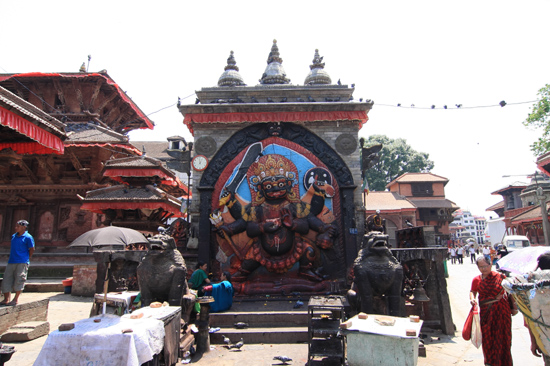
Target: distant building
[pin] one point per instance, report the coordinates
(414, 199)
(521, 207)
(396, 209)
(174, 154)
(466, 225)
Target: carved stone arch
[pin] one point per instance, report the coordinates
(289, 131)
(300, 136)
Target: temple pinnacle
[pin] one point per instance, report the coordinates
(231, 76)
(317, 75)
(274, 72)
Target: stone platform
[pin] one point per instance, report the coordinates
(23, 312)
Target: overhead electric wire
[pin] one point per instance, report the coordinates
(456, 106)
(395, 105)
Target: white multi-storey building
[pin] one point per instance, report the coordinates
(469, 226)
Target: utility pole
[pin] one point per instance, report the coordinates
(544, 213)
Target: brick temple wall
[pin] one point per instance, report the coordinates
(84, 280)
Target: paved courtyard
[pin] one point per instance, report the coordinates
(442, 350)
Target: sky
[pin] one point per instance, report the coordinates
(473, 53)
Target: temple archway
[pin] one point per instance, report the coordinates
(312, 160)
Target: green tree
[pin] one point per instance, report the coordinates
(540, 118)
(396, 158)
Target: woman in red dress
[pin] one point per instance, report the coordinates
(495, 315)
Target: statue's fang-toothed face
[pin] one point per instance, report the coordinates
(275, 187)
(378, 244)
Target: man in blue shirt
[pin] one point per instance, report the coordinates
(15, 275)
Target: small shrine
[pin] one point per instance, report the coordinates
(146, 196)
(275, 178)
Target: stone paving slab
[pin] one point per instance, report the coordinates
(27, 331)
(449, 350)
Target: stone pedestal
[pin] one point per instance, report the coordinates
(203, 324)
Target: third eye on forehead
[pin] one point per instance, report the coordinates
(275, 182)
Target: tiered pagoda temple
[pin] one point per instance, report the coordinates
(57, 131)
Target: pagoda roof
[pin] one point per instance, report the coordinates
(388, 201)
(89, 134)
(418, 178)
(530, 215)
(543, 163)
(516, 186)
(496, 206)
(39, 116)
(136, 161)
(130, 198)
(434, 203)
(154, 149)
(92, 132)
(26, 129)
(118, 112)
(144, 167)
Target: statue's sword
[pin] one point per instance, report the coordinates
(250, 156)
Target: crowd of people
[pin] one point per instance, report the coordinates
(457, 252)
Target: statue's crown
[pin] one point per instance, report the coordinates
(273, 165)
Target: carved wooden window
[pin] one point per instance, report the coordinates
(422, 189)
(45, 226)
(69, 171)
(58, 104)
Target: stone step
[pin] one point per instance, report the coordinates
(278, 335)
(273, 321)
(27, 331)
(259, 319)
(50, 285)
(55, 259)
(267, 327)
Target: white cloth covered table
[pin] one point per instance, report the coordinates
(370, 343)
(369, 325)
(121, 301)
(124, 297)
(103, 343)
